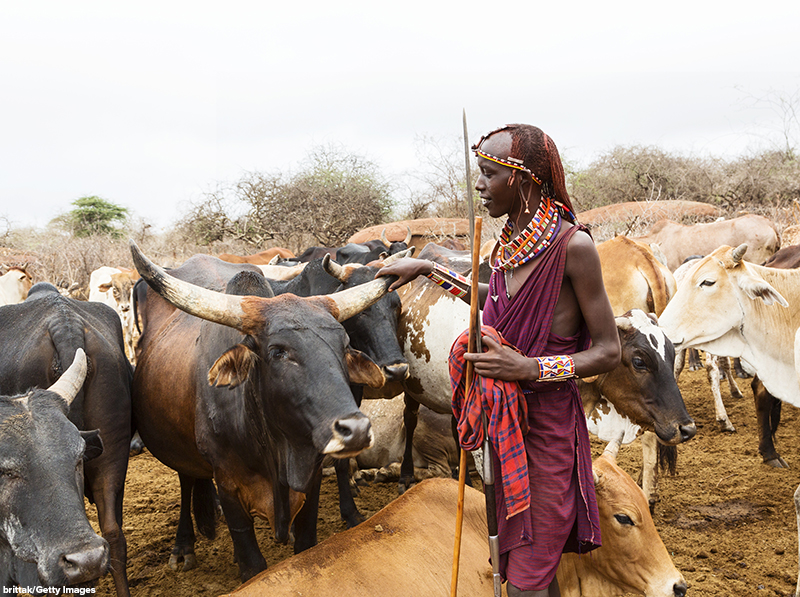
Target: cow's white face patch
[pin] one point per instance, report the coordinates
(654, 334)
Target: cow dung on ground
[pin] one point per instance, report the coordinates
(727, 519)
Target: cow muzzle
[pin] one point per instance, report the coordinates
(397, 372)
(351, 435)
(85, 564)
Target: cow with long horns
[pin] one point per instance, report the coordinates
(247, 388)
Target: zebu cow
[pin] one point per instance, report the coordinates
(39, 337)
(261, 258)
(715, 366)
(45, 537)
(679, 242)
(373, 332)
(731, 307)
(406, 549)
(247, 389)
(113, 286)
(14, 286)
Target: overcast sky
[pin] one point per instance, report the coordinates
(151, 104)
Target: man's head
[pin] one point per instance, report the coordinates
(529, 150)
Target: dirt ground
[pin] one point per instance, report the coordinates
(727, 519)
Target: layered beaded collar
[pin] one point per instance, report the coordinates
(532, 241)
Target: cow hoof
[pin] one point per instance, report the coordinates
(404, 485)
(726, 426)
(778, 462)
(189, 561)
(354, 520)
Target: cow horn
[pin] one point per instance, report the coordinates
(408, 235)
(384, 240)
(612, 448)
(350, 302)
(409, 252)
(71, 381)
(207, 304)
(738, 253)
(334, 269)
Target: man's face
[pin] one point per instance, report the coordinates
(499, 198)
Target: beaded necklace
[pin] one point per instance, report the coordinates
(534, 239)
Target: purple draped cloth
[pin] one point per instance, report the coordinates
(563, 515)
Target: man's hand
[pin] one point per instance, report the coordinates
(501, 362)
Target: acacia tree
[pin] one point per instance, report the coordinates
(335, 194)
(92, 216)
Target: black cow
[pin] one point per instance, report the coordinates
(45, 537)
(247, 389)
(362, 253)
(373, 332)
(39, 338)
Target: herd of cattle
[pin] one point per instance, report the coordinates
(244, 374)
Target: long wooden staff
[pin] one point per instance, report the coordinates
(474, 345)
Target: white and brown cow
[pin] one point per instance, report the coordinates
(114, 287)
(406, 549)
(14, 285)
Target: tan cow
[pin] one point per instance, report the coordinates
(406, 549)
(633, 276)
(679, 242)
(14, 285)
(114, 287)
(261, 258)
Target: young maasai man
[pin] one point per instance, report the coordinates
(547, 301)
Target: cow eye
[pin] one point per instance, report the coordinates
(708, 282)
(276, 352)
(624, 519)
(639, 363)
(7, 474)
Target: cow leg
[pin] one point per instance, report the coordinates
(107, 488)
(649, 476)
(768, 416)
(740, 372)
(727, 369)
(305, 523)
(797, 514)
(184, 537)
(410, 413)
(694, 360)
(712, 370)
(245, 547)
(347, 505)
(680, 361)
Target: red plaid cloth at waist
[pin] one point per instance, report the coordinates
(507, 413)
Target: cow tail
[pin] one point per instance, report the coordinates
(668, 458)
(205, 503)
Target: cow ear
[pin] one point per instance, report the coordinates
(363, 370)
(756, 288)
(233, 367)
(94, 444)
(104, 287)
